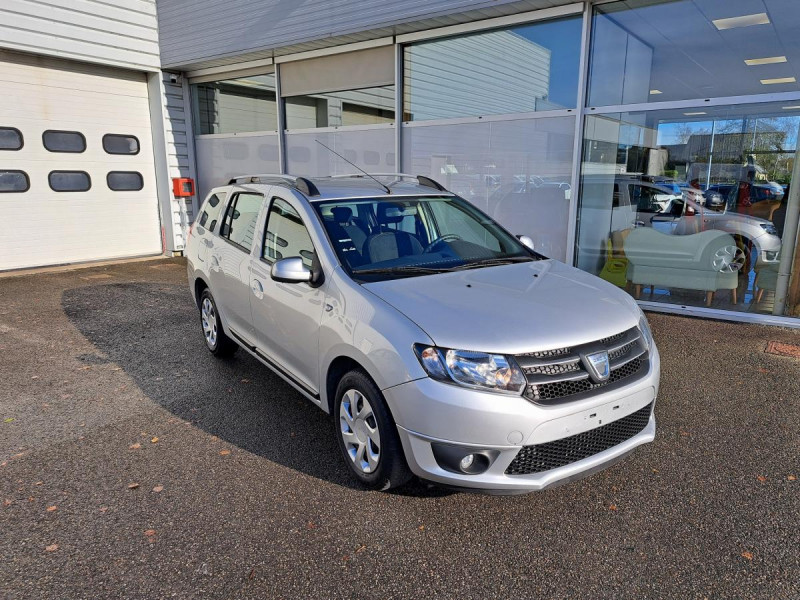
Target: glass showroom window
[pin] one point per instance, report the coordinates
(514, 70)
(688, 206)
(645, 51)
(369, 106)
(235, 105)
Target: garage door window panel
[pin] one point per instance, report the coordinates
(69, 181)
(125, 181)
(11, 138)
(14, 182)
(240, 220)
(286, 235)
(64, 141)
(114, 143)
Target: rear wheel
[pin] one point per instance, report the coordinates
(218, 343)
(367, 434)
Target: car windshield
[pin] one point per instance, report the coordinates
(378, 239)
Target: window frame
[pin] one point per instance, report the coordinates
(21, 142)
(269, 261)
(122, 135)
(141, 179)
(49, 183)
(27, 181)
(83, 137)
(234, 199)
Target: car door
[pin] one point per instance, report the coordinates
(229, 262)
(286, 316)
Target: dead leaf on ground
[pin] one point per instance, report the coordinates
(7, 502)
(154, 440)
(311, 525)
(360, 549)
(761, 478)
(245, 381)
(150, 532)
(791, 477)
(103, 509)
(135, 446)
(747, 555)
(421, 527)
(612, 507)
(133, 486)
(52, 508)
(685, 433)
(224, 452)
(158, 488)
(39, 483)
(52, 547)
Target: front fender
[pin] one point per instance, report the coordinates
(362, 327)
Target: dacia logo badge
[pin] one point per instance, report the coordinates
(598, 366)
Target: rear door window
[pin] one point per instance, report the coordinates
(239, 226)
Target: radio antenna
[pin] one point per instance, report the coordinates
(383, 185)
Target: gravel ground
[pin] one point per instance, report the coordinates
(133, 464)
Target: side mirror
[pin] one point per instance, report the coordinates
(290, 270)
(526, 241)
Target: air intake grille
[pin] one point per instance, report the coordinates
(561, 373)
(543, 457)
(559, 389)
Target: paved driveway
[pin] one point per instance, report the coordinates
(133, 464)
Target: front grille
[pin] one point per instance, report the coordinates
(543, 457)
(558, 374)
(560, 389)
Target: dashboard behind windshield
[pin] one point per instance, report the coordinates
(377, 239)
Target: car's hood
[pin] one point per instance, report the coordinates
(511, 308)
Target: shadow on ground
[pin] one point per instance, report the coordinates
(152, 332)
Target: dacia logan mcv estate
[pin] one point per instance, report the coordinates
(442, 345)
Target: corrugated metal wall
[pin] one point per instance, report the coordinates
(201, 33)
(121, 33)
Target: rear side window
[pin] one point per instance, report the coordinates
(69, 181)
(10, 138)
(63, 141)
(209, 214)
(14, 182)
(125, 181)
(115, 143)
(240, 221)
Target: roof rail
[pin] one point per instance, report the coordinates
(301, 184)
(421, 179)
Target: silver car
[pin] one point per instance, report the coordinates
(443, 346)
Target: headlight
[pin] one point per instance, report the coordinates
(479, 370)
(769, 228)
(647, 335)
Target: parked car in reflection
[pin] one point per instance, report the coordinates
(623, 202)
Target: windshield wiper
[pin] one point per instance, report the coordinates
(410, 269)
(494, 262)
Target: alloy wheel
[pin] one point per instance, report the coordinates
(209, 319)
(359, 431)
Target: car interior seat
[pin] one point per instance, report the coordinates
(388, 243)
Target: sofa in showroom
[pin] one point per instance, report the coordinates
(708, 261)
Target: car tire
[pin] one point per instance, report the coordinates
(217, 342)
(367, 434)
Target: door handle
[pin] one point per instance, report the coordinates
(258, 288)
(214, 260)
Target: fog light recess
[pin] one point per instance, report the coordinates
(462, 459)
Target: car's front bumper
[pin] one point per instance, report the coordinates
(429, 412)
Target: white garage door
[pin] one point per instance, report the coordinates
(77, 180)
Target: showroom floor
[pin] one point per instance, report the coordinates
(133, 464)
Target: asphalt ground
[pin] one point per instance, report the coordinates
(135, 465)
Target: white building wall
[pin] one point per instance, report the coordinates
(122, 33)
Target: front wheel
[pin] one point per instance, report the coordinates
(218, 343)
(367, 434)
